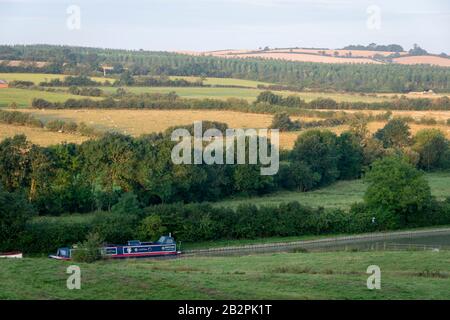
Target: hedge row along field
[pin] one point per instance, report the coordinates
(266, 102)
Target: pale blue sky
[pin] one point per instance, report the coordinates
(224, 24)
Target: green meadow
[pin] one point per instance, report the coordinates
(341, 194)
(330, 275)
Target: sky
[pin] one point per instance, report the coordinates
(204, 25)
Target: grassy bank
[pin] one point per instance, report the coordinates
(336, 275)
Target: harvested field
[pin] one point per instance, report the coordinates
(39, 136)
(434, 60)
(303, 57)
(437, 114)
(354, 53)
(137, 122)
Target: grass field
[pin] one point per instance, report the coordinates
(24, 97)
(341, 194)
(223, 81)
(41, 77)
(334, 275)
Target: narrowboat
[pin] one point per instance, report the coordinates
(165, 246)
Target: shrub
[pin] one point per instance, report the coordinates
(89, 250)
(151, 228)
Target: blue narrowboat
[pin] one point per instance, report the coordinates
(165, 246)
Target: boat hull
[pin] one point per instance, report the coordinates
(12, 255)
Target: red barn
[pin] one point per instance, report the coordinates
(3, 84)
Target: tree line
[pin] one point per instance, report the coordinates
(266, 101)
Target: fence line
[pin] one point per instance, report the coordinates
(329, 243)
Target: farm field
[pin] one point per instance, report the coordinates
(440, 61)
(332, 275)
(250, 94)
(341, 194)
(39, 136)
(24, 97)
(137, 122)
(314, 55)
(41, 77)
(223, 81)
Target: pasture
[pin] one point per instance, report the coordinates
(341, 194)
(330, 275)
(24, 97)
(223, 81)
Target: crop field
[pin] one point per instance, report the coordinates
(341, 194)
(332, 275)
(440, 61)
(223, 81)
(39, 136)
(137, 122)
(315, 55)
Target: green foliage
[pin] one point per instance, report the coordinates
(15, 211)
(89, 250)
(128, 204)
(433, 149)
(151, 228)
(350, 156)
(397, 188)
(115, 228)
(396, 133)
(318, 150)
(283, 122)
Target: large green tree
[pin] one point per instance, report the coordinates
(433, 149)
(395, 134)
(318, 150)
(397, 189)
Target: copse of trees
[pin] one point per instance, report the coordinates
(376, 47)
(71, 81)
(283, 122)
(86, 91)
